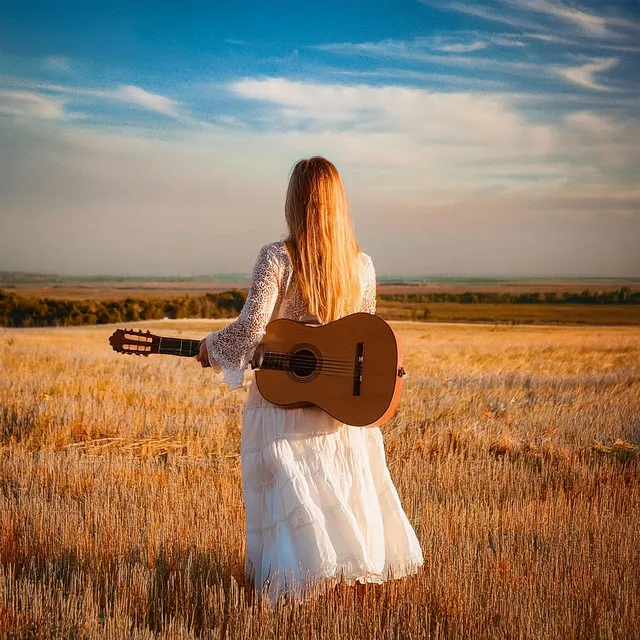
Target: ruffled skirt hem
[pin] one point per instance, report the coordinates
(347, 572)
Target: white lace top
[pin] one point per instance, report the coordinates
(273, 293)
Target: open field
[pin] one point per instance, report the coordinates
(514, 451)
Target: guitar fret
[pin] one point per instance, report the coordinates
(275, 360)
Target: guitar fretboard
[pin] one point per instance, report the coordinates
(273, 360)
(179, 347)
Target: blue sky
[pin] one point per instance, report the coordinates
(156, 138)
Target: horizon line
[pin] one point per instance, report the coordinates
(247, 276)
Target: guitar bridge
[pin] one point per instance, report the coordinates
(357, 369)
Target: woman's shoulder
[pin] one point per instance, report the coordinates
(366, 259)
(274, 256)
(276, 249)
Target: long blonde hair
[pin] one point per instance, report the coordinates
(321, 240)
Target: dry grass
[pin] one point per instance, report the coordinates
(514, 451)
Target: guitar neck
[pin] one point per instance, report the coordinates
(178, 347)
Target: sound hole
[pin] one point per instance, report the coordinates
(303, 363)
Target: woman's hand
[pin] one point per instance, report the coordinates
(203, 358)
(203, 355)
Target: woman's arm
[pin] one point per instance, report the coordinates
(231, 348)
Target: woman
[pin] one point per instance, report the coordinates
(320, 503)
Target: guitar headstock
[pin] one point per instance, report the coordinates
(138, 342)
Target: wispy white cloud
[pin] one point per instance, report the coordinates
(126, 94)
(30, 104)
(394, 73)
(590, 23)
(506, 40)
(485, 12)
(584, 75)
(446, 51)
(531, 14)
(593, 24)
(461, 47)
(146, 100)
(564, 40)
(422, 49)
(417, 51)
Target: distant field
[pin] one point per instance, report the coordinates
(516, 286)
(512, 313)
(120, 291)
(151, 289)
(165, 294)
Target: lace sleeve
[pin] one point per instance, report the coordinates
(233, 346)
(368, 286)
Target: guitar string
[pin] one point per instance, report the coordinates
(326, 369)
(334, 364)
(310, 358)
(322, 366)
(348, 369)
(285, 353)
(323, 370)
(328, 373)
(188, 342)
(329, 366)
(325, 364)
(178, 350)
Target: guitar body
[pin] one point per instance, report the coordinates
(350, 368)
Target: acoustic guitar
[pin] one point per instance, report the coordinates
(350, 368)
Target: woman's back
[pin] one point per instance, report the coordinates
(273, 293)
(290, 302)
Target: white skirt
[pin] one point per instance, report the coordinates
(319, 501)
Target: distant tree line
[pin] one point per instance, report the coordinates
(19, 311)
(617, 296)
